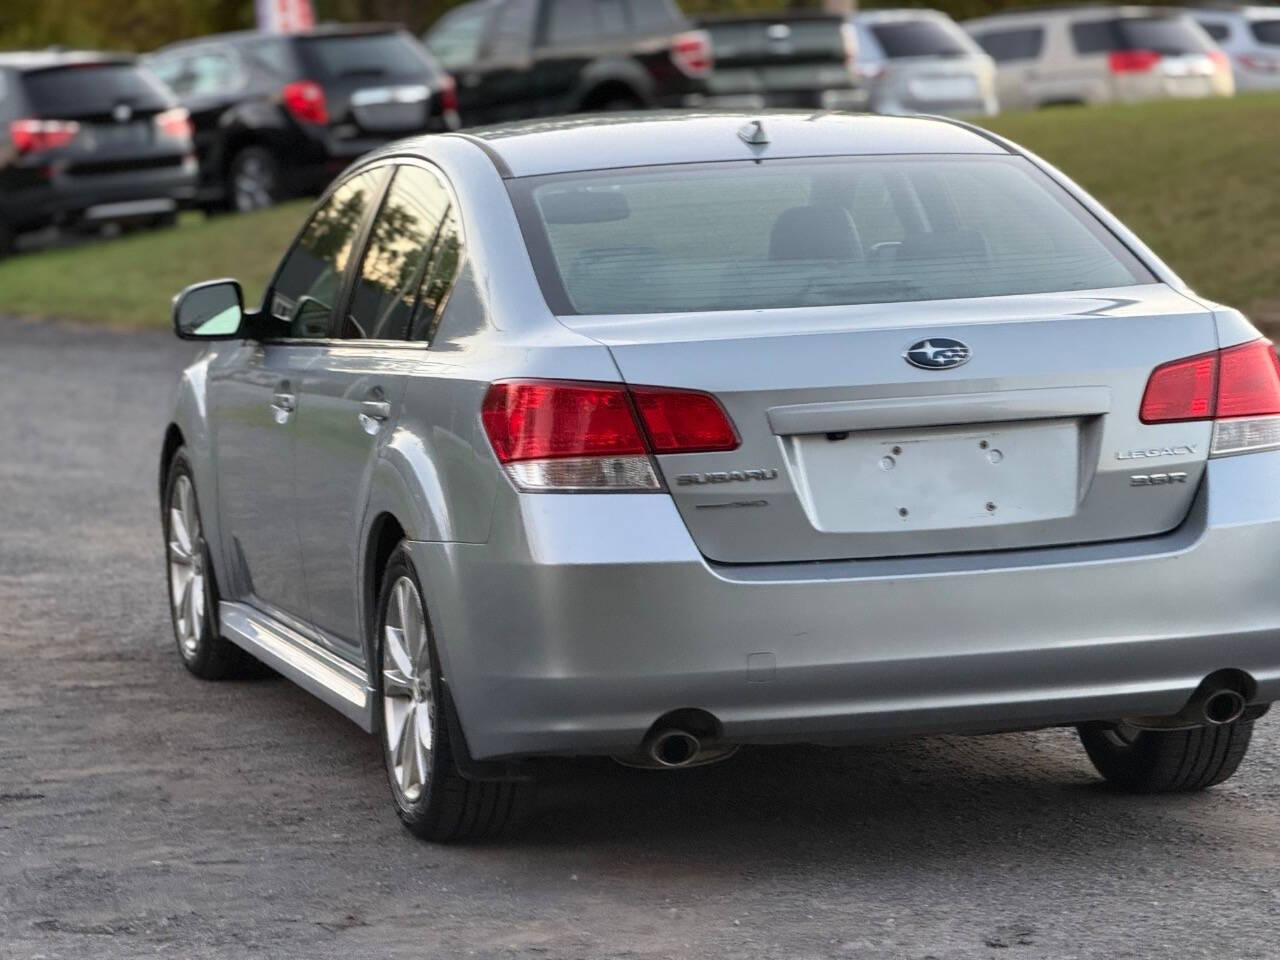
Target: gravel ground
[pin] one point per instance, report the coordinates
(145, 813)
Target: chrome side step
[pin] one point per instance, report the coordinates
(338, 683)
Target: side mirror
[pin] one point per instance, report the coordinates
(209, 311)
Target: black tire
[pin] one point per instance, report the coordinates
(1166, 761)
(253, 180)
(446, 805)
(616, 105)
(204, 652)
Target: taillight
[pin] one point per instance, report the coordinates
(33, 136)
(1238, 388)
(1133, 61)
(565, 435)
(448, 93)
(691, 53)
(305, 100)
(1220, 60)
(175, 123)
(1259, 64)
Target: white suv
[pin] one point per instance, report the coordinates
(1092, 54)
(1250, 36)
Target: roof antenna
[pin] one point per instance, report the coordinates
(753, 133)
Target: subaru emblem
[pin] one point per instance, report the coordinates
(936, 353)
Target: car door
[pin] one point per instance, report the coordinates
(253, 401)
(350, 398)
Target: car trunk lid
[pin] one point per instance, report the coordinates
(777, 55)
(850, 450)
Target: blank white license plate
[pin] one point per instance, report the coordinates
(940, 478)
(944, 88)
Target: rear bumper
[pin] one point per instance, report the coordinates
(112, 196)
(585, 618)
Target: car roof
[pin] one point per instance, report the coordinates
(1051, 10)
(654, 138)
(1248, 11)
(320, 30)
(45, 59)
(892, 14)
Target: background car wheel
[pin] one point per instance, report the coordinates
(253, 181)
(433, 799)
(1166, 761)
(193, 595)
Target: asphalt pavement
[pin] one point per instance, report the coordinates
(146, 813)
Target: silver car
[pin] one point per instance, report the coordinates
(920, 61)
(651, 436)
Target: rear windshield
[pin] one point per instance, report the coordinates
(809, 233)
(344, 56)
(1265, 31)
(93, 89)
(774, 37)
(919, 38)
(1169, 36)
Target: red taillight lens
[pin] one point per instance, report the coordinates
(684, 421)
(175, 123)
(1248, 381)
(691, 53)
(541, 420)
(1240, 381)
(1181, 390)
(448, 93)
(305, 101)
(1259, 64)
(33, 136)
(1220, 60)
(569, 435)
(1133, 61)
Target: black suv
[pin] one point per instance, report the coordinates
(88, 138)
(280, 115)
(516, 59)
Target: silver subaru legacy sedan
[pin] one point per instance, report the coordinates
(653, 435)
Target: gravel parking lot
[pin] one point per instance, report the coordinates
(145, 813)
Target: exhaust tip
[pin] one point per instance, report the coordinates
(674, 748)
(1225, 706)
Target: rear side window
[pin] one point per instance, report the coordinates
(395, 261)
(655, 15)
(363, 55)
(1265, 31)
(78, 91)
(310, 275)
(455, 40)
(1006, 45)
(1094, 36)
(1217, 30)
(204, 73)
(919, 38)
(807, 233)
(513, 29)
(1170, 36)
(570, 21)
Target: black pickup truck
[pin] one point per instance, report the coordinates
(516, 59)
(803, 60)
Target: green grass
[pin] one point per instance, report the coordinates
(1198, 180)
(129, 281)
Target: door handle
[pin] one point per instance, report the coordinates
(375, 409)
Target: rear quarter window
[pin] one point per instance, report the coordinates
(1004, 46)
(1266, 31)
(94, 89)
(919, 38)
(344, 56)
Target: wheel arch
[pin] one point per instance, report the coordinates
(173, 439)
(613, 79)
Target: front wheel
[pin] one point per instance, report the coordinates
(253, 181)
(432, 797)
(193, 594)
(1166, 761)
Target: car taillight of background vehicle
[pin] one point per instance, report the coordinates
(1220, 60)
(691, 53)
(304, 99)
(560, 435)
(1259, 64)
(448, 93)
(849, 42)
(175, 123)
(34, 136)
(1236, 387)
(1133, 61)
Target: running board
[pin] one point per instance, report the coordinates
(338, 683)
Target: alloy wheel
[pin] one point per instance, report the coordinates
(252, 184)
(408, 700)
(186, 567)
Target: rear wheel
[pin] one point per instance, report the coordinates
(253, 180)
(432, 797)
(193, 595)
(1166, 761)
